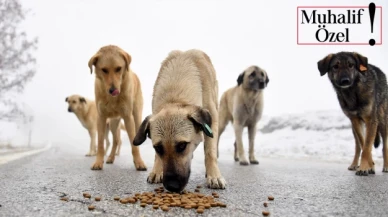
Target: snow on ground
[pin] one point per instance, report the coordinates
(321, 135)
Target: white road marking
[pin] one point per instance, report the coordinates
(14, 156)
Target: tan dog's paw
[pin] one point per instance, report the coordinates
(215, 182)
(110, 160)
(155, 178)
(253, 160)
(90, 154)
(365, 170)
(140, 166)
(353, 167)
(98, 165)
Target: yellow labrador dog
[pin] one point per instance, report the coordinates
(118, 95)
(184, 107)
(86, 112)
(243, 106)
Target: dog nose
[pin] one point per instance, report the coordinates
(345, 81)
(69, 109)
(112, 89)
(171, 183)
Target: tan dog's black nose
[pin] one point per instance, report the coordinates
(69, 109)
(112, 89)
(173, 183)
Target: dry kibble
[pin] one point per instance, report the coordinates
(64, 199)
(199, 186)
(271, 198)
(91, 207)
(143, 204)
(116, 198)
(265, 213)
(86, 195)
(155, 206)
(97, 198)
(265, 204)
(187, 207)
(207, 206)
(165, 208)
(197, 190)
(123, 201)
(131, 200)
(200, 211)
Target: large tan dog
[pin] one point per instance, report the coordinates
(86, 112)
(184, 105)
(243, 106)
(118, 95)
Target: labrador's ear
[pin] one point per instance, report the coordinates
(127, 58)
(143, 131)
(323, 64)
(93, 61)
(203, 120)
(240, 78)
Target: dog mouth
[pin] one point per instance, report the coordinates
(344, 83)
(114, 92)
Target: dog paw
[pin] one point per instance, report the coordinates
(353, 167)
(140, 166)
(244, 163)
(98, 165)
(236, 159)
(154, 178)
(110, 160)
(362, 173)
(216, 182)
(254, 161)
(385, 170)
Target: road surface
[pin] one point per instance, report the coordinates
(33, 185)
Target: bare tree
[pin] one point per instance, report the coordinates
(17, 63)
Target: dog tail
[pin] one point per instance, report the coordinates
(377, 140)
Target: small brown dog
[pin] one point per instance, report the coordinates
(243, 106)
(184, 109)
(118, 95)
(362, 92)
(86, 112)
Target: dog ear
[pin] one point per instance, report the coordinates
(66, 99)
(266, 79)
(362, 62)
(127, 58)
(202, 119)
(143, 131)
(93, 61)
(323, 64)
(81, 99)
(240, 78)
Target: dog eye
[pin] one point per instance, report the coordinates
(180, 147)
(335, 66)
(159, 149)
(73, 101)
(118, 69)
(350, 65)
(105, 71)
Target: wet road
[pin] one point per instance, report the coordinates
(32, 186)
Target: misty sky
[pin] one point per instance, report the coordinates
(235, 34)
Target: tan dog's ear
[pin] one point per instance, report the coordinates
(82, 100)
(323, 64)
(93, 61)
(127, 58)
(240, 78)
(266, 79)
(143, 131)
(66, 99)
(362, 62)
(202, 119)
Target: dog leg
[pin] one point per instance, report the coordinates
(118, 146)
(235, 152)
(213, 174)
(130, 126)
(114, 124)
(251, 136)
(358, 138)
(223, 121)
(367, 164)
(238, 131)
(93, 146)
(156, 176)
(107, 142)
(384, 134)
(101, 127)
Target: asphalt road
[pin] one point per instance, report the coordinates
(32, 186)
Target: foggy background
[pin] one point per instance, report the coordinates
(235, 34)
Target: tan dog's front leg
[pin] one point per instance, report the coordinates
(107, 142)
(213, 174)
(252, 135)
(101, 127)
(238, 131)
(156, 176)
(114, 123)
(367, 164)
(92, 149)
(130, 126)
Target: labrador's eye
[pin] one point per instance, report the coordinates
(181, 147)
(159, 149)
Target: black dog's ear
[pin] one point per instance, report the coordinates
(240, 78)
(81, 99)
(361, 60)
(143, 131)
(202, 119)
(66, 99)
(323, 64)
